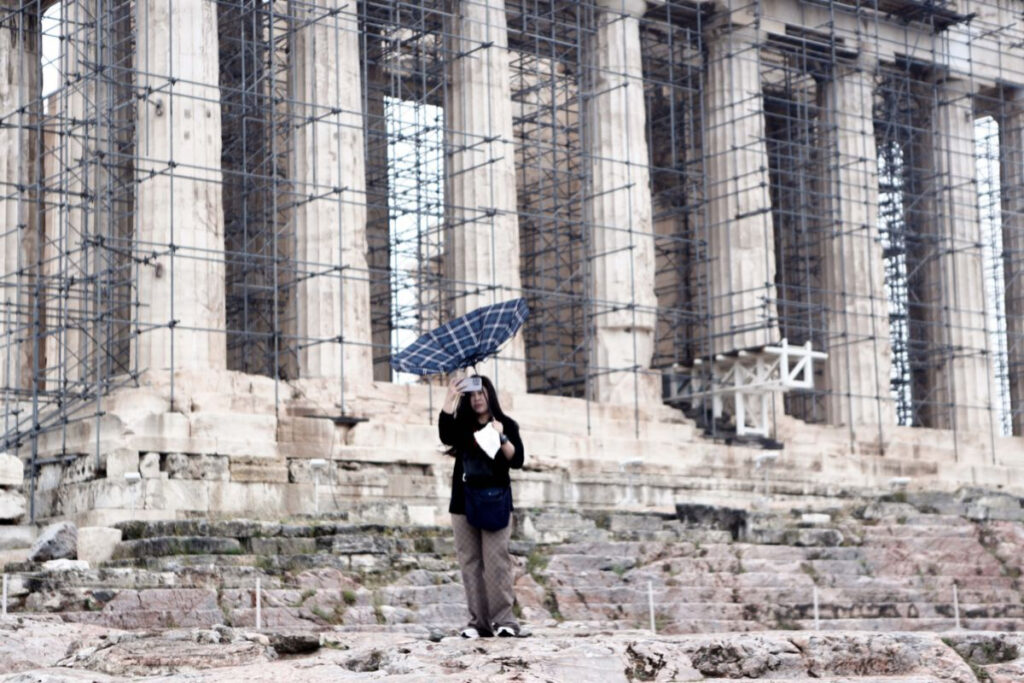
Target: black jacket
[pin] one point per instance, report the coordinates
(466, 447)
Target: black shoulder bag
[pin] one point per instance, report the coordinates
(488, 507)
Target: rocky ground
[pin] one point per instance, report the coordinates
(44, 649)
(915, 587)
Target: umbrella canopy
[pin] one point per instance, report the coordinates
(465, 341)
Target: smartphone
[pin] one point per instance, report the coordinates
(471, 384)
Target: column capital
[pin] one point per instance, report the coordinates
(725, 28)
(954, 84)
(634, 8)
(864, 67)
(1014, 98)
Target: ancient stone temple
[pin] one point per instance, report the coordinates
(770, 248)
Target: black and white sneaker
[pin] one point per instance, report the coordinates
(472, 632)
(512, 631)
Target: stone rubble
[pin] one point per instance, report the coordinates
(56, 542)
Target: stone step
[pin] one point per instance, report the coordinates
(937, 624)
(625, 600)
(247, 529)
(611, 603)
(316, 607)
(907, 610)
(882, 594)
(772, 585)
(923, 527)
(162, 546)
(277, 564)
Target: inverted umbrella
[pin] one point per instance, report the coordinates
(465, 341)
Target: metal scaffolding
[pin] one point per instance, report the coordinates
(72, 170)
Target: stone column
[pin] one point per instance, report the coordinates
(482, 261)
(378, 218)
(857, 316)
(333, 293)
(179, 231)
(951, 289)
(741, 248)
(20, 107)
(1011, 146)
(618, 209)
(84, 197)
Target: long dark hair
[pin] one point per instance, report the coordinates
(466, 420)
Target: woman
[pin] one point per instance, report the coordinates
(483, 555)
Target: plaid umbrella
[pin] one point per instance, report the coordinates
(465, 341)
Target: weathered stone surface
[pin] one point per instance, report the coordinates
(985, 649)
(57, 541)
(349, 544)
(325, 578)
(65, 565)
(294, 643)
(187, 495)
(149, 466)
(13, 557)
(818, 537)
(244, 528)
(283, 546)
(178, 545)
(40, 641)
(728, 519)
(136, 529)
(166, 655)
(212, 467)
(880, 655)
(14, 537)
(552, 526)
(181, 466)
(96, 544)
(121, 462)
(11, 470)
(203, 466)
(158, 608)
(12, 506)
(271, 471)
(220, 654)
(62, 675)
(815, 518)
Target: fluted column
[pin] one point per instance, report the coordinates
(1011, 147)
(857, 317)
(952, 290)
(483, 223)
(378, 218)
(83, 158)
(618, 209)
(20, 106)
(333, 292)
(740, 243)
(180, 223)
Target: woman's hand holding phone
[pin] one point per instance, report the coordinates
(451, 400)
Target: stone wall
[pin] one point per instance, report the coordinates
(15, 537)
(221, 450)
